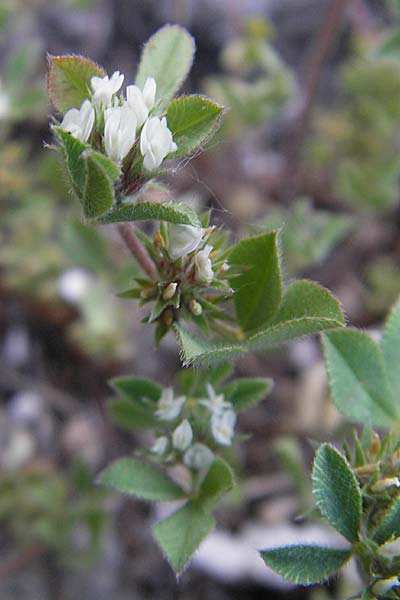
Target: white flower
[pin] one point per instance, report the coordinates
(182, 436)
(156, 142)
(168, 406)
(215, 402)
(119, 131)
(223, 427)
(104, 89)
(160, 445)
(204, 271)
(79, 123)
(142, 101)
(198, 457)
(183, 239)
(4, 103)
(73, 284)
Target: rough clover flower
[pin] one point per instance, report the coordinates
(183, 239)
(104, 89)
(160, 445)
(198, 457)
(204, 270)
(79, 122)
(223, 427)
(119, 131)
(169, 407)
(182, 436)
(215, 402)
(142, 101)
(156, 142)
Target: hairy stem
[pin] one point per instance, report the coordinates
(136, 248)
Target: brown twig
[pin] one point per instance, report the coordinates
(322, 48)
(137, 249)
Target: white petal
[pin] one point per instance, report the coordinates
(149, 92)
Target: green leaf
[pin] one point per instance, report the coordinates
(391, 350)
(337, 492)
(130, 476)
(137, 388)
(389, 527)
(305, 564)
(84, 246)
(72, 150)
(181, 534)
(390, 48)
(173, 212)
(306, 308)
(218, 481)
(68, 83)
(133, 415)
(99, 195)
(167, 56)
(357, 378)
(245, 393)
(258, 289)
(192, 121)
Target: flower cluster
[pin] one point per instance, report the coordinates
(115, 123)
(182, 439)
(191, 277)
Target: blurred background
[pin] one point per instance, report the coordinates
(311, 140)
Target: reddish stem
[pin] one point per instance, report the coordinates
(136, 248)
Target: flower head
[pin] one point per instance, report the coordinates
(155, 142)
(79, 122)
(198, 457)
(182, 436)
(104, 89)
(168, 406)
(119, 131)
(142, 101)
(204, 270)
(183, 239)
(223, 427)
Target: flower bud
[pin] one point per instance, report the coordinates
(182, 436)
(383, 484)
(79, 123)
(224, 267)
(119, 131)
(142, 101)
(169, 291)
(183, 239)
(196, 307)
(169, 407)
(168, 317)
(155, 142)
(104, 89)
(223, 427)
(160, 445)
(198, 457)
(204, 271)
(158, 240)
